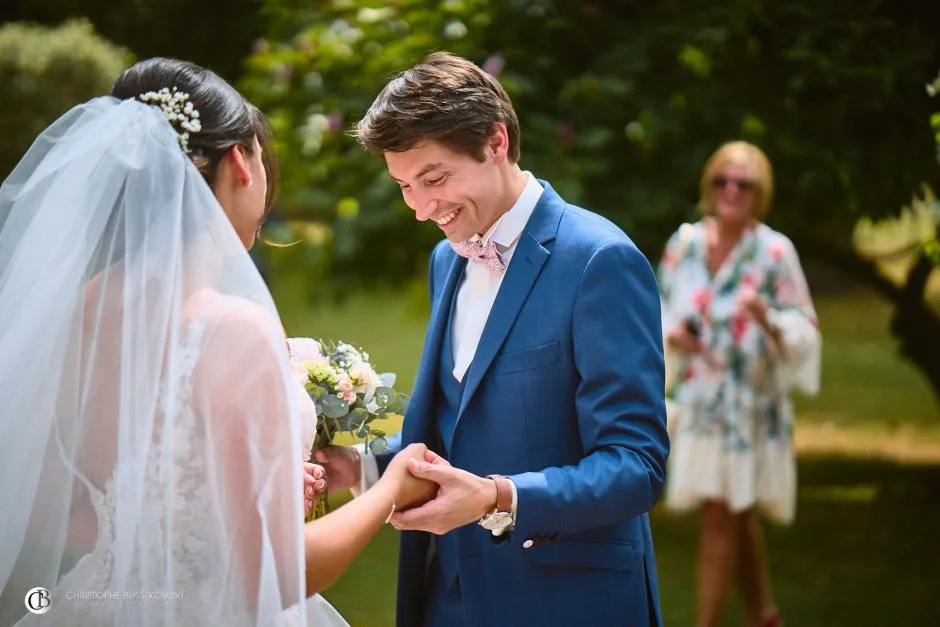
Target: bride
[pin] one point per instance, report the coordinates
(150, 456)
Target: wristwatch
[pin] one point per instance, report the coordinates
(500, 518)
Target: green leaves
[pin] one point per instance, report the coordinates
(695, 60)
(318, 71)
(620, 118)
(45, 72)
(388, 400)
(333, 407)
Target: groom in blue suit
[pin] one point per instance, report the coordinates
(541, 386)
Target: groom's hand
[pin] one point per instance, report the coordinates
(343, 467)
(462, 498)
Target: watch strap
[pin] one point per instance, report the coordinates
(503, 493)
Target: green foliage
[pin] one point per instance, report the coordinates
(933, 89)
(620, 105)
(45, 72)
(202, 32)
(315, 74)
(932, 245)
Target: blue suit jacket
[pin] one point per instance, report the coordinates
(565, 395)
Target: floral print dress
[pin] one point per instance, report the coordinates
(731, 404)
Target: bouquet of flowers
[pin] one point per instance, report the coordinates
(348, 393)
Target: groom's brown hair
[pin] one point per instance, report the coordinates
(445, 98)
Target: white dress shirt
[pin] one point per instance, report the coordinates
(475, 300)
(480, 285)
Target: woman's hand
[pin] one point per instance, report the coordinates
(753, 304)
(407, 490)
(314, 486)
(682, 340)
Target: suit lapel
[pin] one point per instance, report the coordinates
(523, 270)
(421, 405)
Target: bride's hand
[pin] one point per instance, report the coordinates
(407, 490)
(314, 486)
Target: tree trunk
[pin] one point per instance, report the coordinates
(916, 325)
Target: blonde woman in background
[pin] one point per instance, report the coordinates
(741, 332)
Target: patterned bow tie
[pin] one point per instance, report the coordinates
(484, 253)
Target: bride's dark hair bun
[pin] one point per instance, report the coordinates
(226, 118)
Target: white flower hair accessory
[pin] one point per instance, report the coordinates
(178, 110)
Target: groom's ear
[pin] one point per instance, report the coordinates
(498, 143)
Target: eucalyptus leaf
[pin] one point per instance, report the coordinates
(357, 422)
(378, 445)
(334, 407)
(345, 423)
(388, 379)
(358, 417)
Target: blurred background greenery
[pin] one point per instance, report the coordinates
(620, 103)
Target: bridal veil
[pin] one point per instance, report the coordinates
(149, 451)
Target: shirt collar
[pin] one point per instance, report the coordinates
(507, 229)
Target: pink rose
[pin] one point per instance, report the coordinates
(344, 384)
(305, 349)
(365, 375)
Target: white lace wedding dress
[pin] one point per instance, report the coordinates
(85, 597)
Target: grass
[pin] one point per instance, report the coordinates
(870, 401)
(862, 550)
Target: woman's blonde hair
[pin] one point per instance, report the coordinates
(749, 156)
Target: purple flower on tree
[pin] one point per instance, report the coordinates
(494, 65)
(336, 121)
(564, 131)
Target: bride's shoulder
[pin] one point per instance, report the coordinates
(232, 320)
(212, 306)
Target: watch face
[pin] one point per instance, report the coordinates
(498, 520)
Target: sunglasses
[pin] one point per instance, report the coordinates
(721, 182)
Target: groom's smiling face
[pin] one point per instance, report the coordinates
(455, 190)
